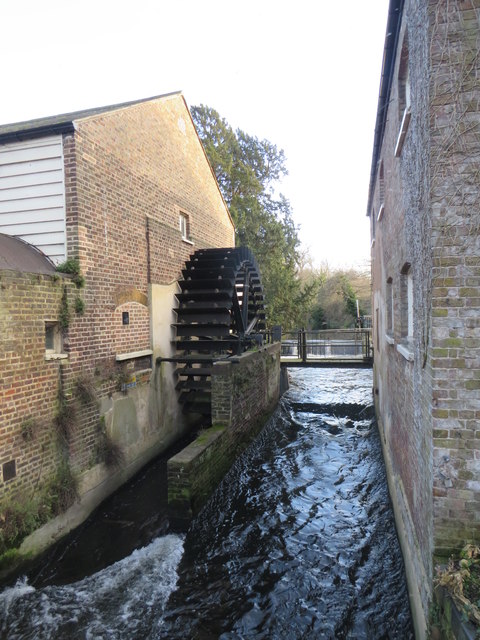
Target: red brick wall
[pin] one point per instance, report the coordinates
(129, 173)
(28, 382)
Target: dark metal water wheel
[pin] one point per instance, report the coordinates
(220, 313)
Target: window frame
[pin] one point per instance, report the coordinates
(54, 352)
(404, 96)
(184, 226)
(407, 324)
(390, 307)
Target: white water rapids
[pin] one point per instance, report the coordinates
(131, 594)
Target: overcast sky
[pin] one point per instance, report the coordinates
(304, 74)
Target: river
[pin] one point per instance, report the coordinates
(298, 542)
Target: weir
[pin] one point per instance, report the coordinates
(350, 348)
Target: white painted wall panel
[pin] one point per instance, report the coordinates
(30, 191)
(29, 229)
(28, 179)
(31, 204)
(26, 217)
(32, 194)
(13, 155)
(29, 168)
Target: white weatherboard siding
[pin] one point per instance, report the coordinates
(32, 194)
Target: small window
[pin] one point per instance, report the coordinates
(184, 230)
(381, 191)
(405, 345)
(404, 105)
(406, 301)
(403, 80)
(9, 470)
(53, 338)
(390, 316)
(409, 305)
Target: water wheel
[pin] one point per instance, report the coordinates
(220, 313)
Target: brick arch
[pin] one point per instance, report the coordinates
(121, 295)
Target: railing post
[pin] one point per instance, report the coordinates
(304, 345)
(277, 333)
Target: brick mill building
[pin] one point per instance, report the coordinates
(424, 209)
(121, 196)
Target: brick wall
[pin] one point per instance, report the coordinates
(245, 391)
(245, 388)
(29, 382)
(426, 387)
(401, 374)
(455, 202)
(129, 174)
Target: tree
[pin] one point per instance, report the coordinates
(248, 170)
(336, 306)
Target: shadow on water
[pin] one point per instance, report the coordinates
(297, 542)
(129, 519)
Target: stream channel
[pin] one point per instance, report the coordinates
(298, 542)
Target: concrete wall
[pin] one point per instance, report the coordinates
(245, 391)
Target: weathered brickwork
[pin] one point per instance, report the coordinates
(244, 392)
(134, 170)
(425, 253)
(455, 178)
(29, 383)
(246, 388)
(129, 173)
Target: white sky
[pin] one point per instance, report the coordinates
(304, 74)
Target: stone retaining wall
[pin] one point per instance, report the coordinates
(245, 391)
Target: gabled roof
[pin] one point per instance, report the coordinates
(63, 123)
(18, 255)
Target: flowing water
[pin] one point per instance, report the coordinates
(297, 542)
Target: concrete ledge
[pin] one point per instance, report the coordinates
(133, 354)
(409, 551)
(195, 472)
(245, 391)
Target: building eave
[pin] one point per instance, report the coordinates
(64, 123)
(389, 56)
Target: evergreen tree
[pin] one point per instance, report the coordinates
(248, 170)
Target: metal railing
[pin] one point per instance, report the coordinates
(342, 344)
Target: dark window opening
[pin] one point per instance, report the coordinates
(9, 470)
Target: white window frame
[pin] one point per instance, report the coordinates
(184, 225)
(183, 222)
(409, 305)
